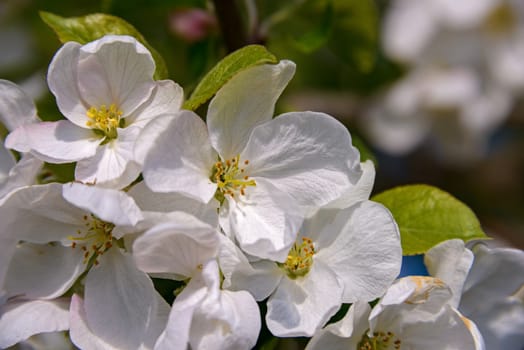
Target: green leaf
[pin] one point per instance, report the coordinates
(318, 36)
(427, 215)
(92, 27)
(355, 36)
(346, 30)
(223, 71)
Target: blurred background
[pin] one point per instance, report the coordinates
(430, 90)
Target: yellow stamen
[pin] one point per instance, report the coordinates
(501, 20)
(105, 120)
(230, 178)
(95, 240)
(299, 259)
(379, 341)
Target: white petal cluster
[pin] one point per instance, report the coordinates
(106, 92)
(241, 213)
(493, 275)
(413, 314)
(463, 72)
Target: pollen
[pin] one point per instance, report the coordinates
(299, 259)
(500, 20)
(105, 120)
(95, 240)
(379, 341)
(230, 178)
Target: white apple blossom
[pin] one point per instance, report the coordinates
(16, 109)
(462, 75)
(413, 314)
(85, 226)
(203, 316)
(476, 32)
(487, 285)
(449, 104)
(262, 171)
(328, 265)
(106, 91)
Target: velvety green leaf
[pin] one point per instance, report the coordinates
(318, 36)
(94, 26)
(224, 70)
(427, 215)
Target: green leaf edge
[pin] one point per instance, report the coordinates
(224, 70)
(475, 227)
(74, 33)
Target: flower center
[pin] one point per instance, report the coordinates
(230, 178)
(95, 240)
(501, 20)
(299, 259)
(379, 341)
(105, 121)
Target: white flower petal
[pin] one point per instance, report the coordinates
(21, 174)
(466, 13)
(157, 324)
(163, 206)
(29, 209)
(449, 88)
(366, 235)
(55, 142)
(260, 279)
(21, 319)
(235, 326)
(113, 164)
(487, 111)
(107, 204)
(496, 274)
(478, 337)
(395, 133)
(16, 108)
(401, 42)
(80, 333)
(505, 63)
(7, 250)
(500, 323)
(450, 261)
(119, 300)
(41, 271)
(429, 334)
(7, 161)
(307, 155)
(61, 78)
(426, 295)
(344, 334)
(176, 247)
(177, 156)
(167, 98)
(115, 69)
(301, 306)
(176, 334)
(246, 101)
(361, 191)
(264, 223)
